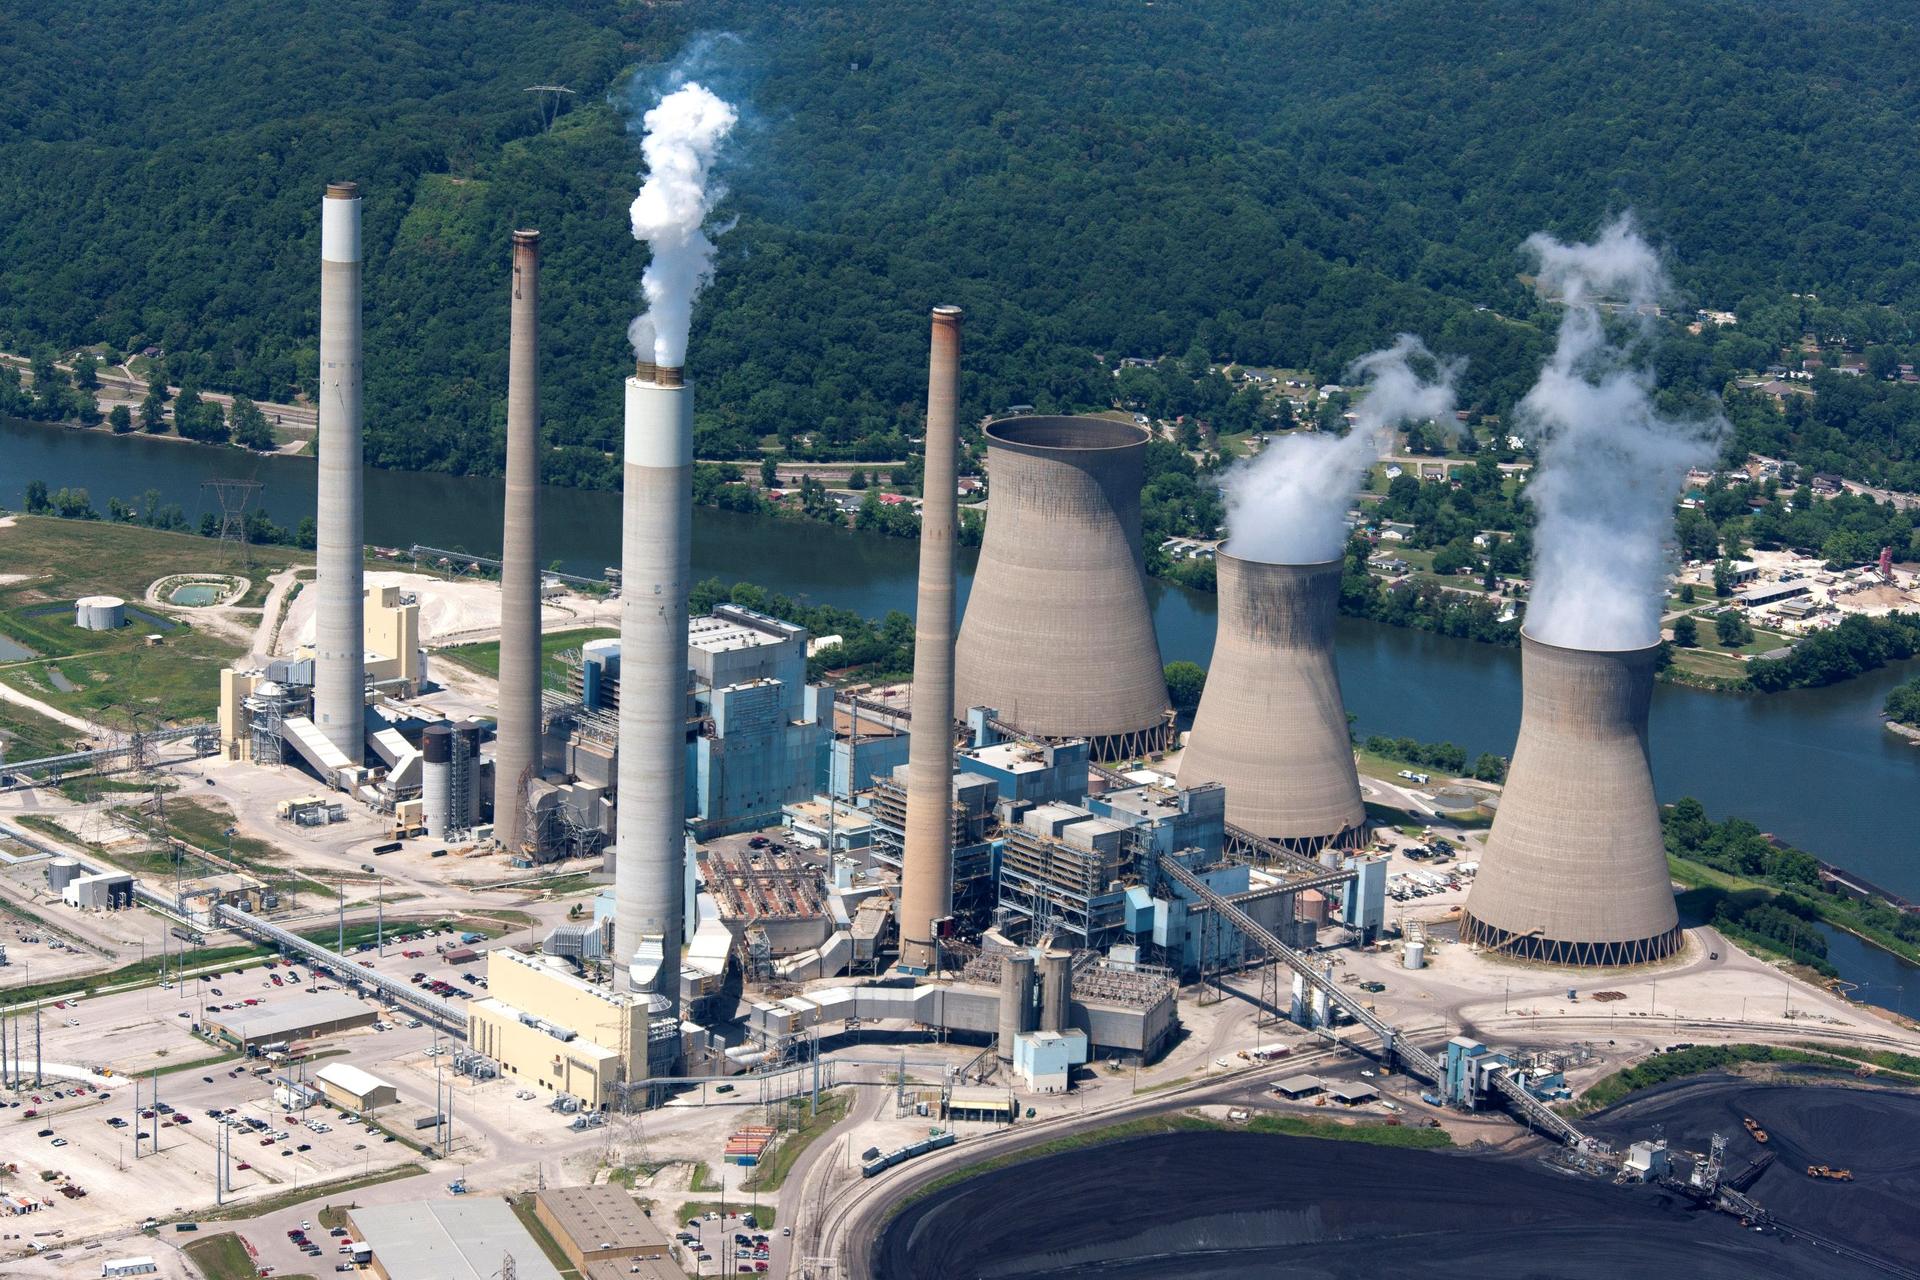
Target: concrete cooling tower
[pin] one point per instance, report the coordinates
(1575, 870)
(1271, 726)
(1057, 636)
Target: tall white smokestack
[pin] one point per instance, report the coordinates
(517, 753)
(926, 866)
(339, 669)
(656, 556)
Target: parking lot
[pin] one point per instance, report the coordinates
(733, 1245)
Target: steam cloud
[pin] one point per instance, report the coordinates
(683, 134)
(1611, 464)
(1289, 505)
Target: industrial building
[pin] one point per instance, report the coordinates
(1271, 726)
(463, 1239)
(600, 1227)
(769, 901)
(300, 1018)
(1057, 636)
(1575, 867)
(99, 891)
(549, 1028)
(351, 1089)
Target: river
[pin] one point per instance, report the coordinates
(1813, 766)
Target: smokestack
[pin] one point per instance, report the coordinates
(1575, 868)
(655, 564)
(1271, 726)
(516, 758)
(339, 669)
(926, 865)
(1057, 635)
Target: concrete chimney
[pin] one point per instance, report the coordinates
(1575, 868)
(339, 668)
(926, 866)
(1271, 726)
(655, 563)
(516, 758)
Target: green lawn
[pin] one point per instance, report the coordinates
(221, 1257)
(764, 1214)
(72, 558)
(485, 657)
(28, 735)
(147, 970)
(1662, 1067)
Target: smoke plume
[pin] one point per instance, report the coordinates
(683, 134)
(1289, 505)
(1611, 463)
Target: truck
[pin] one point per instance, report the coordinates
(469, 938)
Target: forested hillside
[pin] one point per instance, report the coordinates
(1275, 183)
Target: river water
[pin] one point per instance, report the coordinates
(1813, 766)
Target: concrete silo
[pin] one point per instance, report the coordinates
(1575, 868)
(1057, 635)
(1271, 726)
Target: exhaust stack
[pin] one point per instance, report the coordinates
(339, 669)
(1057, 636)
(655, 563)
(1575, 868)
(517, 754)
(926, 867)
(1271, 726)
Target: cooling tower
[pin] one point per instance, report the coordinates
(926, 866)
(655, 563)
(1057, 635)
(1271, 726)
(1575, 869)
(516, 759)
(339, 649)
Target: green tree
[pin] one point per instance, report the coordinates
(249, 425)
(153, 410)
(86, 371)
(1185, 683)
(1723, 578)
(1686, 632)
(120, 419)
(1686, 593)
(1903, 703)
(769, 472)
(1732, 630)
(857, 479)
(36, 497)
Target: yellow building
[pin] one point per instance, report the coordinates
(554, 1031)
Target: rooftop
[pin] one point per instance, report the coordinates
(732, 627)
(346, 1076)
(461, 1239)
(598, 1218)
(278, 1020)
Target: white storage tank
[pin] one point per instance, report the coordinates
(1416, 955)
(100, 613)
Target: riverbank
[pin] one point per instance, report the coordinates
(1836, 909)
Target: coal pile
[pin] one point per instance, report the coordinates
(1212, 1205)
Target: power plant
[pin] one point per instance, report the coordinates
(655, 570)
(1575, 868)
(339, 676)
(926, 872)
(1057, 637)
(516, 758)
(1271, 726)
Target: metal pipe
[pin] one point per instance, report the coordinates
(516, 759)
(339, 669)
(926, 863)
(655, 567)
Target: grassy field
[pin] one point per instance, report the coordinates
(147, 970)
(1703, 883)
(773, 1169)
(300, 1195)
(115, 677)
(1662, 1067)
(28, 735)
(485, 658)
(221, 1257)
(764, 1214)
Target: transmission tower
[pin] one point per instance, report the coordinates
(552, 100)
(234, 496)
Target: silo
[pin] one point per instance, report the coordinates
(436, 777)
(62, 872)
(1057, 635)
(1415, 956)
(1271, 726)
(100, 613)
(1056, 987)
(1016, 1000)
(1575, 868)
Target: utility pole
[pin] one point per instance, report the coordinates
(380, 916)
(340, 892)
(36, 1045)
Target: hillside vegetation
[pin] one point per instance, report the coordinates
(1281, 184)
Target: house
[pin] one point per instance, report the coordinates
(1395, 532)
(1393, 471)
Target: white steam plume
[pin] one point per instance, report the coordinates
(1611, 464)
(684, 132)
(1289, 505)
